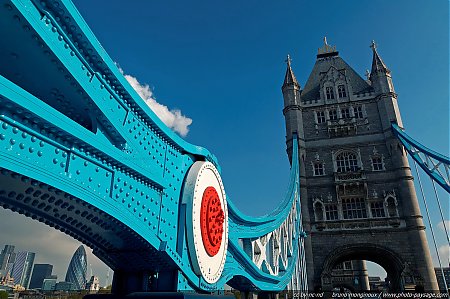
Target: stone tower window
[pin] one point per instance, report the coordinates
(345, 113)
(320, 116)
(319, 169)
(391, 204)
(358, 110)
(346, 162)
(342, 93)
(353, 208)
(318, 211)
(377, 209)
(331, 212)
(377, 161)
(329, 93)
(333, 114)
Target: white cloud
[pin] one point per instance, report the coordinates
(444, 253)
(173, 118)
(441, 225)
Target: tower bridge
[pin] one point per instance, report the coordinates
(81, 152)
(358, 197)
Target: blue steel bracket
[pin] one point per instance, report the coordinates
(81, 151)
(436, 165)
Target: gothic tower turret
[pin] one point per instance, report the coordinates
(381, 80)
(292, 109)
(293, 115)
(380, 76)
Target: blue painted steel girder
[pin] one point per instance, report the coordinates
(437, 166)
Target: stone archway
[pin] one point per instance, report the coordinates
(389, 260)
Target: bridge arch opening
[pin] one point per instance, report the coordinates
(49, 244)
(132, 258)
(357, 254)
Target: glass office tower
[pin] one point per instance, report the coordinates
(23, 265)
(76, 273)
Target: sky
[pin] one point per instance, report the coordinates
(214, 69)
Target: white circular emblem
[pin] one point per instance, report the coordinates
(206, 220)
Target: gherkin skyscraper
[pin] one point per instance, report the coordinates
(76, 273)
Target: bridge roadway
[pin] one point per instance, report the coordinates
(80, 151)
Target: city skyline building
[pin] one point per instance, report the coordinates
(23, 265)
(7, 258)
(76, 272)
(65, 286)
(40, 272)
(93, 285)
(440, 278)
(40, 275)
(49, 283)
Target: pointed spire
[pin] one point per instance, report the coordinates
(289, 78)
(367, 74)
(377, 63)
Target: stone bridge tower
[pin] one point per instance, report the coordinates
(357, 191)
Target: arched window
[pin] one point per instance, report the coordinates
(332, 114)
(391, 204)
(345, 113)
(358, 112)
(377, 161)
(318, 168)
(318, 211)
(320, 117)
(346, 162)
(341, 91)
(329, 92)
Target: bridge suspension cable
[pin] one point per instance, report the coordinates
(440, 211)
(430, 223)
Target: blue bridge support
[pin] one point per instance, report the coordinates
(81, 152)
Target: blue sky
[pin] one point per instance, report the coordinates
(222, 64)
